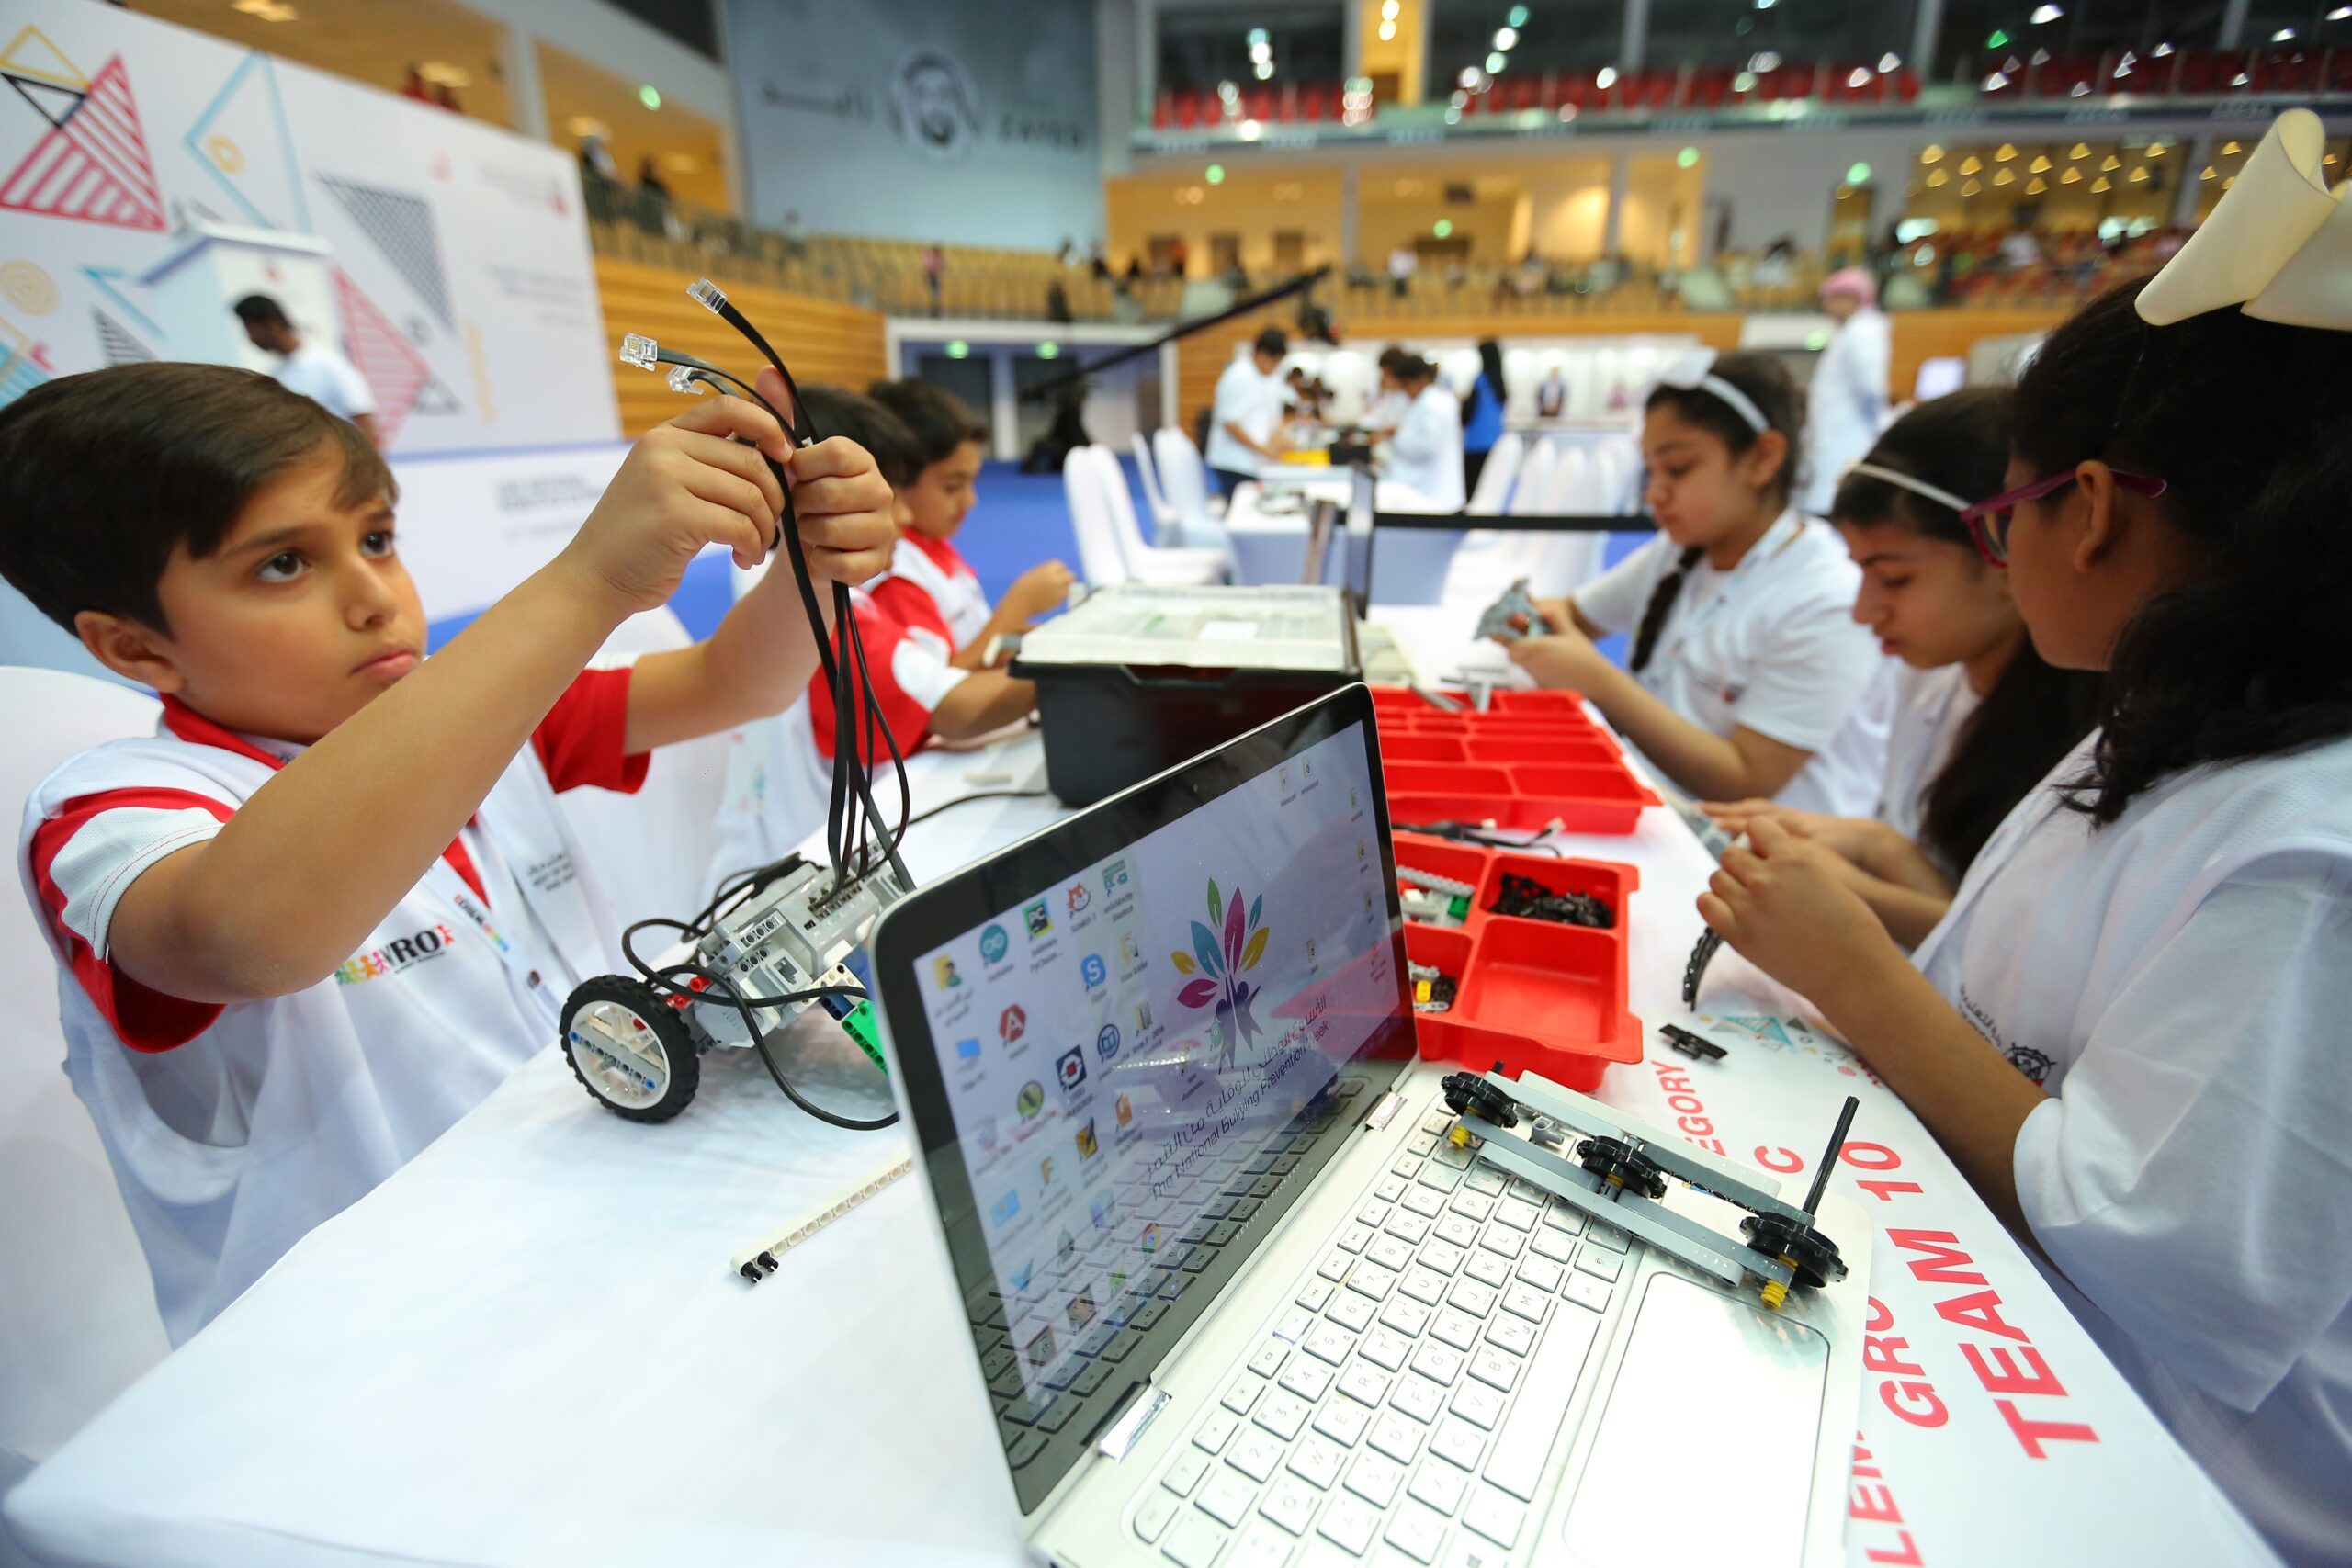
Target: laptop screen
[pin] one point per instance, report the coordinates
(1130, 1041)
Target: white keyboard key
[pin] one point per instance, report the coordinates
(1364, 1385)
(1352, 1311)
(1255, 1454)
(1439, 1484)
(1488, 1269)
(1372, 1214)
(1389, 1252)
(1406, 1166)
(1328, 1342)
(1386, 1348)
(1461, 1232)
(1485, 1178)
(1242, 1395)
(1438, 1364)
(1565, 1216)
(1458, 1441)
(1292, 1326)
(1352, 1238)
(1152, 1516)
(1525, 1300)
(1342, 1421)
(1270, 1358)
(1350, 1523)
(1542, 1274)
(1497, 1238)
(1395, 1435)
(1478, 1404)
(1471, 1206)
(1495, 1517)
(1424, 1202)
(1306, 1378)
(1557, 1245)
(1515, 1335)
(1289, 1503)
(1606, 1235)
(1417, 1397)
(1282, 1413)
(1261, 1546)
(1440, 1121)
(1494, 1369)
(1416, 1532)
(1407, 1317)
(1526, 1438)
(1438, 1177)
(1334, 1268)
(1194, 1542)
(1375, 1479)
(1471, 1551)
(1600, 1265)
(1371, 1280)
(1423, 1284)
(1228, 1497)
(1472, 1297)
(1458, 1329)
(1316, 1294)
(1185, 1472)
(1441, 1256)
(1388, 1188)
(1407, 1227)
(1316, 1461)
(1214, 1431)
(1518, 1215)
(1587, 1292)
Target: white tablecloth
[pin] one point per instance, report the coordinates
(527, 1349)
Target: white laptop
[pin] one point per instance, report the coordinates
(1236, 1299)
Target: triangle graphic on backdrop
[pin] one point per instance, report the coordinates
(402, 226)
(95, 166)
(31, 54)
(434, 398)
(241, 140)
(20, 366)
(394, 371)
(54, 104)
(111, 281)
(120, 346)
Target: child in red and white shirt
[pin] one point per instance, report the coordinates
(331, 902)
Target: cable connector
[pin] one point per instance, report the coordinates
(640, 350)
(707, 294)
(686, 379)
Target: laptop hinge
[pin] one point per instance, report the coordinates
(1127, 1429)
(1384, 1110)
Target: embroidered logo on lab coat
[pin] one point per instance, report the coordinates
(400, 953)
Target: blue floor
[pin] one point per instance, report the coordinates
(1022, 519)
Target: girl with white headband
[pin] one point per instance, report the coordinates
(1748, 676)
(2130, 1031)
(1979, 716)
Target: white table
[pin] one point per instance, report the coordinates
(525, 1348)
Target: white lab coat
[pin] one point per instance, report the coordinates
(1930, 707)
(2179, 982)
(1252, 400)
(1425, 454)
(1845, 405)
(1770, 645)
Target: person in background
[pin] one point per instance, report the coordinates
(1980, 717)
(446, 96)
(928, 576)
(1098, 262)
(1402, 263)
(796, 237)
(1482, 417)
(1748, 676)
(1425, 454)
(597, 168)
(2129, 1032)
(935, 263)
(1848, 398)
(1246, 411)
(1552, 396)
(309, 366)
(1179, 255)
(1389, 398)
(653, 197)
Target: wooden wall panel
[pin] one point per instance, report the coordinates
(1929, 334)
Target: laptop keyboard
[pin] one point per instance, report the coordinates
(1402, 1407)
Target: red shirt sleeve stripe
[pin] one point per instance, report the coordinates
(582, 739)
(908, 719)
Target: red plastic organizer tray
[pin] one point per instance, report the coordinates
(1531, 993)
(1535, 758)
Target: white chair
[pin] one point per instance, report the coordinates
(653, 850)
(78, 1323)
(1099, 558)
(1172, 568)
(1532, 493)
(1184, 480)
(1495, 479)
(1165, 528)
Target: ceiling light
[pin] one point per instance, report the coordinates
(1938, 177)
(1687, 159)
(1442, 228)
(1860, 76)
(1996, 82)
(1387, 31)
(1859, 175)
(1763, 63)
(1605, 78)
(1495, 62)
(1229, 91)
(2035, 185)
(2079, 90)
(2109, 164)
(1213, 174)
(2139, 173)
(2228, 149)
(1453, 114)
(2004, 153)
(587, 125)
(2342, 13)
(1997, 39)
(958, 349)
(1971, 165)
(1257, 38)
(1974, 187)
(1469, 78)
(2240, 80)
(2071, 176)
(1049, 349)
(1264, 70)
(2079, 150)
(267, 10)
(2041, 165)
(1743, 82)
(2284, 34)
(649, 95)
(441, 74)
(2044, 15)
(1567, 113)
(1934, 155)
(1506, 36)
(2156, 149)
(1518, 17)
(2005, 176)
(1889, 64)
(2102, 184)
(1250, 131)
(2162, 51)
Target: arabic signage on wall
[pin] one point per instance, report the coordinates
(920, 119)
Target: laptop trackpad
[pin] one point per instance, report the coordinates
(1715, 1397)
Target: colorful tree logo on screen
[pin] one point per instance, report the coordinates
(1224, 950)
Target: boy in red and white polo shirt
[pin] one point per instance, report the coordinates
(331, 902)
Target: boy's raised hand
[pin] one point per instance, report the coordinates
(682, 486)
(843, 501)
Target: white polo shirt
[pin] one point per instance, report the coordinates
(949, 589)
(233, 1131)
(1770, 645)
(1930, 707)
(1249, 400)
(326, 377)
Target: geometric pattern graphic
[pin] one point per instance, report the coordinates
(93, 165)
(24, 285)
(434, 398)
(120, 348)
(21, 364)
(242, 141)
(402, 226)
(394, 371)
(104, 279)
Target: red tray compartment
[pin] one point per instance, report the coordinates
(1415, 748)
(1538, 758)
(1428, 778)
(1547, 701)
(1569, 746)
(1532, 993)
